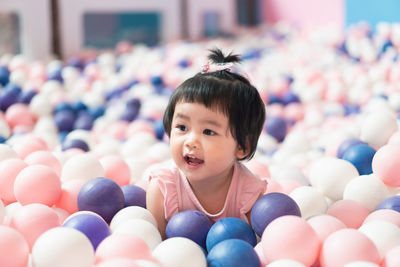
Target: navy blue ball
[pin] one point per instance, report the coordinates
(129, 114)
(346, 144)
(26, 96)
(63, 106)
(159, 129)
(102, 196)
(84, 121)
(134, 196)
(233, 253)
(9, 96)
(276, 127)
(157, 80)
(269, 207)
(4, 76)
(191, 224)
(391, 203)
(75, 143)
(2, 139)
(79, 106)
(361, 157)
(64, 120)
(230, 228)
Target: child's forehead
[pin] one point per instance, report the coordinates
(200, 108)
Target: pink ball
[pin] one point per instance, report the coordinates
(34, 219)
(258, 168)
(117, 130)
(9, 170)
(120, 262)
(388, 215)
(259, 250)
(386, 165)
(37, 184)
(138, 126)
(290, 237)
(350, 212)
(274, 186)
(69, 195)
(392, 258)
(46, 158)
(19, 115)
(347, 245)
(61, 213)
(29, 144)
(116, 169)
(14, 249)
(324, 225)
(122, 245)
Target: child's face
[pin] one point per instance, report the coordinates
(201, 143)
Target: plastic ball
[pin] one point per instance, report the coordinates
(19, 115)
(29, 144)
(285, 263)
(233, 252)
(40, 105)
(230, 228)
(4, 76)
(82, 166)
(75, 143)
(377, 128)
(6, 152)
(310, 201)
(37, 184)
(134, 196)
(84, 121)
(366, 189)
(324, 225)
(179, 251)
(345, 246)
(120, 262)
(132, 212)
(269, 207)
(14, 249)
(346, 144)
(290, 237)
(392, 258)
(89, 223)
(26, 96)
(65, 120)
(192, 224)
(350, 212)
(102, 196)
(2, 212)
(63, 247)
(69, 195)
(141, 228)
(9, 96)
(392, 203)
(33, 220)
(387, 215)
(386, 165)
(9, 170)
(276, 127)
(361, 157)
(361, 264)
(46, 158)
(116, 169)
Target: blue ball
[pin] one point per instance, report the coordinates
(230, 228)
(134, 196)
(96, 112)
(9, 96)
(102, 196)
(64, 120)
(79, 106)
(346, 144)
(392, 203)
(233, 253)
(75, 143)
(276, 127)
(159, 129)
(191, 224)
(269, 207)
(63, 106)
(4, 76)
(92, 225)
(361, 157)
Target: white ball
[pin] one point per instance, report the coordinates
(141, 228)
(367, 189)
(158, 152)
(82, 166)
(63, 247)
(144, 263)
(18, 77)
(7, 152)
(179, 251)
(383, 234)
(107, 146)
(40, 105)
(83, 135)
(361, 264)
(5, 130)
(377, 128)
(289, 172)
(136, 144)
(310, 201)
(137, 167)
(297, 141)
(331, 175)
(285, 263)
(2, 212)
(132, 212)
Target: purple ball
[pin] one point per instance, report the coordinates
(102, 196)
(64, 120)
(75, 143)
(134, 196)
(269, 207)
(276, 127)
(391, 203)
(93, 226)
(346, 144)
(9, 96)
(84, 121)
(191, 224)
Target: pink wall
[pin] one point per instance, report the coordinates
(305, 11)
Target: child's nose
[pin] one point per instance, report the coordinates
(192, 141)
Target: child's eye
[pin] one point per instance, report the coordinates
(181, 127)
(209, 132)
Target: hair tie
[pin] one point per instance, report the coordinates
(213, 67)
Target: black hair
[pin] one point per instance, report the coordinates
(227, 92)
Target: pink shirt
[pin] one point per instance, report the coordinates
(244, 190)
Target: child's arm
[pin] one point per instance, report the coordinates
(155, 204)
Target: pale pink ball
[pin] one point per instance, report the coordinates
(37, 184)
(394, 139)
(138, 126)
(19, 115)
(69, 195)
(14, 248)
(392, 258)
(117, 129)
(120, 262)
(260, 252)
(9, 170)
(34, 219)
(350, 212)
(46, 158)
(61, 213)
(347, 245)
(324, 225)
(116, 169)
(388, 215)
(294, 112)
(273, 186)
(29, 144)
(122, 245)
(258, 168)
(386, 165)
(288, 185)
(290, 237)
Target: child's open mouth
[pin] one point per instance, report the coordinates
(193, 160)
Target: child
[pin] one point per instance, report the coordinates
(213, 120)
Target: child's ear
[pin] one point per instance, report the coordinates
(241, 153)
